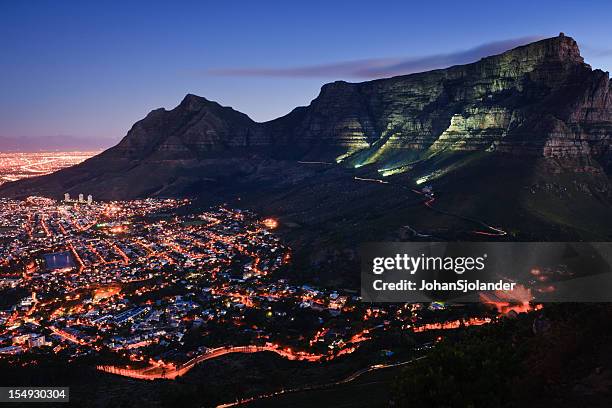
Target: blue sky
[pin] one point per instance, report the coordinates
(92, 70)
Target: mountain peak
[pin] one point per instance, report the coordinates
(192, 97)
(555, 49)
(194, 102)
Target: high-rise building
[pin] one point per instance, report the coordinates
(89, 199)
(66, 197)
(81, 198)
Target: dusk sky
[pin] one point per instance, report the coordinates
(91, 71)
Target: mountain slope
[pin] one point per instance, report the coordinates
(515, 146)
(539, 100)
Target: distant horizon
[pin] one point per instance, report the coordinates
(55, 143)
(45, 150)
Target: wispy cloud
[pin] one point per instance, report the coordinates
(380, 67)
(596, 52)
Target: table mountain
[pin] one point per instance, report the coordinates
(538, 110)
(519, 141)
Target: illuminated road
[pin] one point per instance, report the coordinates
(429, 201)
(493, 231)
(417, 233)
(67, 336)
(316, 162)
(170, 372)
(371, 180)
(346, 380)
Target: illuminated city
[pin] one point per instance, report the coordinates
(17, 166)
(348, 205)
(150, 293)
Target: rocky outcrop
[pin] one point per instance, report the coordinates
(195, 127)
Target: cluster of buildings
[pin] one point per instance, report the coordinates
(80, 200)
(138, 280)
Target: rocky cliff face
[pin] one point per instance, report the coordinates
(540, 100)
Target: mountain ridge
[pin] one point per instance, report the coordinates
(538, 99)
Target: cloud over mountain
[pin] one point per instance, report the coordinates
(380, 67)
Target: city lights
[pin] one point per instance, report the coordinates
(270, 223)
(16, 166)
(133, 278)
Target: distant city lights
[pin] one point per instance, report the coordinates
(17, 166)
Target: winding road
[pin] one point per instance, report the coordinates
(429, 201)
(160, 370)
(346, 380)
